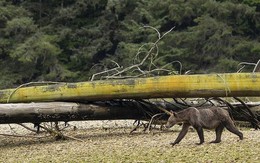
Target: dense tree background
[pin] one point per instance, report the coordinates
(61, 40)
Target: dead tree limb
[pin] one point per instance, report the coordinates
(148, 54)
(26, 136)
(59, 135)
(255, 121)
(152, 119)
(26, 127)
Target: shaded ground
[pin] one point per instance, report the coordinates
(114, 144)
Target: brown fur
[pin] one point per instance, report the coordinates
(209, 118)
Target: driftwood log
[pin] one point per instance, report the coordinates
(175, 86)
(63, 111)
(69, 111)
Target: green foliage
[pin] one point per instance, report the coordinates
(20, 28)
(63, 40)
(36, 47)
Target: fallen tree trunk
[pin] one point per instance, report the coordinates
(65, 111)
(212, 85)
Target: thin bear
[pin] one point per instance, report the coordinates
(208, 118)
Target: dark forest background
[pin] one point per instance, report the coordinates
(61, 40)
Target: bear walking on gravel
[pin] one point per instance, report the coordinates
(208, 118)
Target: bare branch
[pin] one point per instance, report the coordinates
(187, 72)
(58, 134)
(257, 67)
(174, 62)
(26, 127)
(240, 69)
(27, 136)
(149, 54)
(159, 35)
(102, 72)
(246, 63)
(98, 64)
(106, 71)
(151, 121)
(164, 110)
(167, 32)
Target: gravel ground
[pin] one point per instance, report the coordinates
(110, 141)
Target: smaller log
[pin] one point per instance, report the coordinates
(70, 111)
(64, 111)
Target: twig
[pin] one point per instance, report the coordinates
(58, 135)
(66, 126)
(183, 100)
(164, 110)
(174, 104)
(26, 127)
(219, 100)
(12, 129)
(256, 68)
(187, 72)
(227, 89)
(154, 45)
(106, 71)
(30, 136)
(73, 138)
(256, 122)
(159, 35)
(240, 69)
(206, 100)
(149, 125)
(139, 51)
(183, 103)
(172, 63)
(246, 63)
(99, 73)
(137, 126)
(246, 115)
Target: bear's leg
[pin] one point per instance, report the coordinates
(232, 128)
(201, 135)
(184, 130)
(219, 131)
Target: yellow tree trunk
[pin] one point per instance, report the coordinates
(212, 85)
